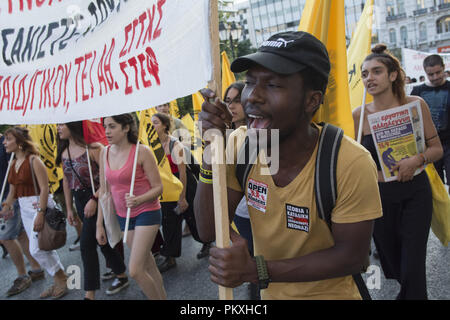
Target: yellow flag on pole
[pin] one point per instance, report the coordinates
(174, 110)
(325, 20)
(357, 51)
(44, 135)
(227, 76)
(196, 141)
(172, 187)
(197, 100)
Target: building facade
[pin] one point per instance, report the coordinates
(262, 18)
(422, 25)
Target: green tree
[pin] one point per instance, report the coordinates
(4, 127)
(185, 106)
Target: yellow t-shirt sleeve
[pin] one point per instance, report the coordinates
(234, 143)
(358, 194)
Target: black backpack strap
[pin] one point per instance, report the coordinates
(325, 184)
(362, 288)
(245, 159)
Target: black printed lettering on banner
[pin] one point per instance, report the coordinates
(36, 42)
(25, 45)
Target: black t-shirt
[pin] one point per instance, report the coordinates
(438, 99)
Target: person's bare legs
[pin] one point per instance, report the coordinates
(140, 268)
(16, 254)
(153, 270)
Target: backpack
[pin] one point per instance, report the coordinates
(325, 184)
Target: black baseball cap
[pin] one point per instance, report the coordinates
(287, 53)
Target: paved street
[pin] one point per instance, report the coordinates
(190, 279)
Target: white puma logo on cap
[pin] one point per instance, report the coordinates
(284, 41)
(277, 43)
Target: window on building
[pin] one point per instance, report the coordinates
(443, 25)
(390, 8)
(392, 36)
(422, 31)
(420, 4)
(404, 36)
(400, 6)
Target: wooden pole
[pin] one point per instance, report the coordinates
(218, 155)
(90, 170)
(361, 118)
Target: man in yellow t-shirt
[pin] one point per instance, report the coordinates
(297, 256)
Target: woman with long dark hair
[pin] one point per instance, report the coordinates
(145, 214)
(80, 166)
(401, 235)
(33, 203)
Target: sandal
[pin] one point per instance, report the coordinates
(59, 292)
(47, 292)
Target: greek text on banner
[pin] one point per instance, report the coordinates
(69, 61)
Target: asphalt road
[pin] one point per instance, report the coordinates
(190, 279)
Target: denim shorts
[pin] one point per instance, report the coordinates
(11, 229)
(147, 218)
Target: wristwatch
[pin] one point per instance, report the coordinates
(263, 274)
(39, 209)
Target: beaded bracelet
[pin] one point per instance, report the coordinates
(205, 171)
(205, 180)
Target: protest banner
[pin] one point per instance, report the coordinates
(398, 134)
(91, 59)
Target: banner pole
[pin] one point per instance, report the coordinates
(6, 176)
(361, 118)
(133, 178)
(218, 156)
(90, 170)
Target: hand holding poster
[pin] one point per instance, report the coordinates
(398, 134)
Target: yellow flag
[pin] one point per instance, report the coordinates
(357, 51)
(174, 110)
(172, 186)
(197, 100)
(44, 135)
(196, 141)
(325, 19)
(227, 76)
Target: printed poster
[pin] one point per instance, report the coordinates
(398, 134)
